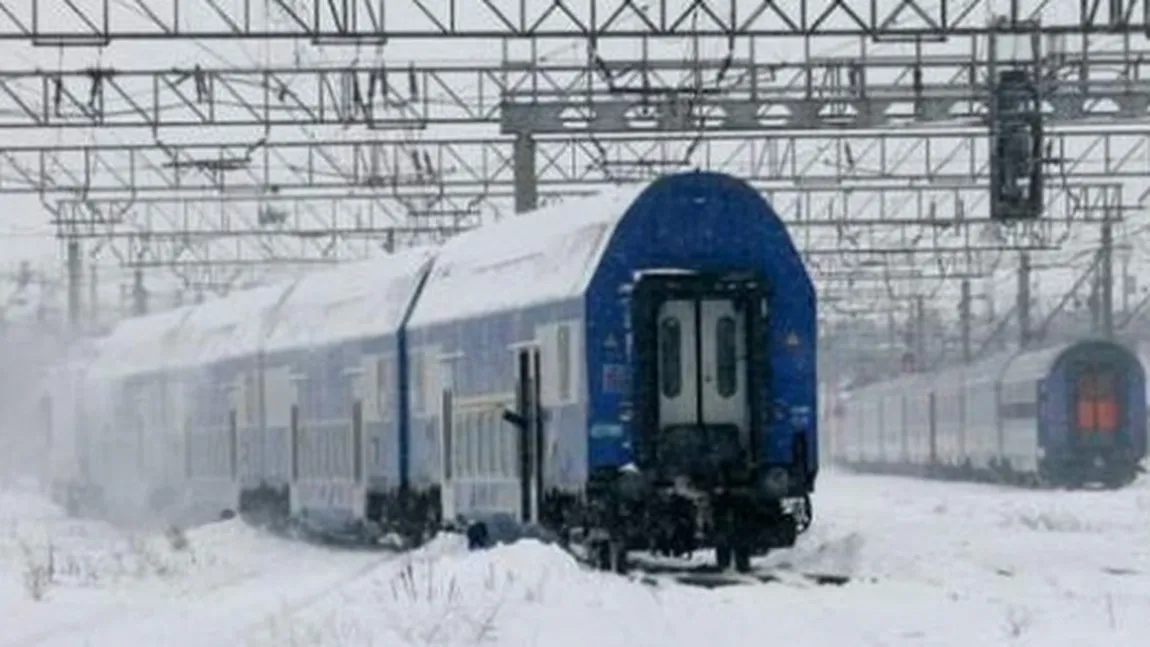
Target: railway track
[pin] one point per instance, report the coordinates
(643, 568)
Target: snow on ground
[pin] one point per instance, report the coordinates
(931, 563)
(97, 585)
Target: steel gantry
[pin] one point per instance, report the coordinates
(872, 201)
(100, 22)
(850, 161)
(337, 225)
(599, 95)
(838, 153)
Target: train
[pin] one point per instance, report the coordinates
(632, 371)
(1067, 415)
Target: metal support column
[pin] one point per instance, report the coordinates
(964, 317)
(93, 295)
(920, 333)
(139, 294)
(1106, 277)
(75, 280)
(526, 181)
(1024, 328)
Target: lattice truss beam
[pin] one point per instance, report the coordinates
(245, 230)
(98, 22)
(732, 93)
(845, 212)
(851, 160)
(248, 230)
(1102, 81)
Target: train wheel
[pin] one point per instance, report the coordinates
(601, 555)
(743, 559)
(723, 556)
(619, 563)
(1119, 480)
(610, 556)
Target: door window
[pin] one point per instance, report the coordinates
(670, 361)
(726, 361)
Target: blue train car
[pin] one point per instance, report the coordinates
(1071, 414)
(332, 371)
(636, 370)
(656, 349)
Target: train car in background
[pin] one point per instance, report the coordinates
(1070, 415)
(636, 370)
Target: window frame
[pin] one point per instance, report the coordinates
(726, 357)
(670, 373)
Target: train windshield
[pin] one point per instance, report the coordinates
(1096, 402)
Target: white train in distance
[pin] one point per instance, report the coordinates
(1068, 415)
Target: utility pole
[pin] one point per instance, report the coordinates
(1024, 299)
(1128, 285)
(964, 320)
(75, 278)
(526, 181)
(139, 294)
(1106, 276)
(93, 295)
(919, 333)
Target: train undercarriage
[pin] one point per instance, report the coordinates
(623, 512)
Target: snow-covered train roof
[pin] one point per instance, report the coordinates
(139, 343)
(985, 371)
(227, 328)
(351, 301)
(357, 299)
(1035, 364)
(544, 256)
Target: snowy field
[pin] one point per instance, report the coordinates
(931, 564)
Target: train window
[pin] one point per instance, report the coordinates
(489, 432)
(475, 445)
(507, 457)
(357, 441)
(382, 387)
(563, 341)
(418, 389)
(725, 357)
(252, 400)
(1096, 407)
(446, 424)
(233, 439)
(296, 450)
(670, 362)
(459, 438)
(484, 443)
(473, 448)
(468, 434)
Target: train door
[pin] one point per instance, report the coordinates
(449, 452)
(1097, 411)
(529, 424)
(702, 365)
(358, 380)
(240, 429)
